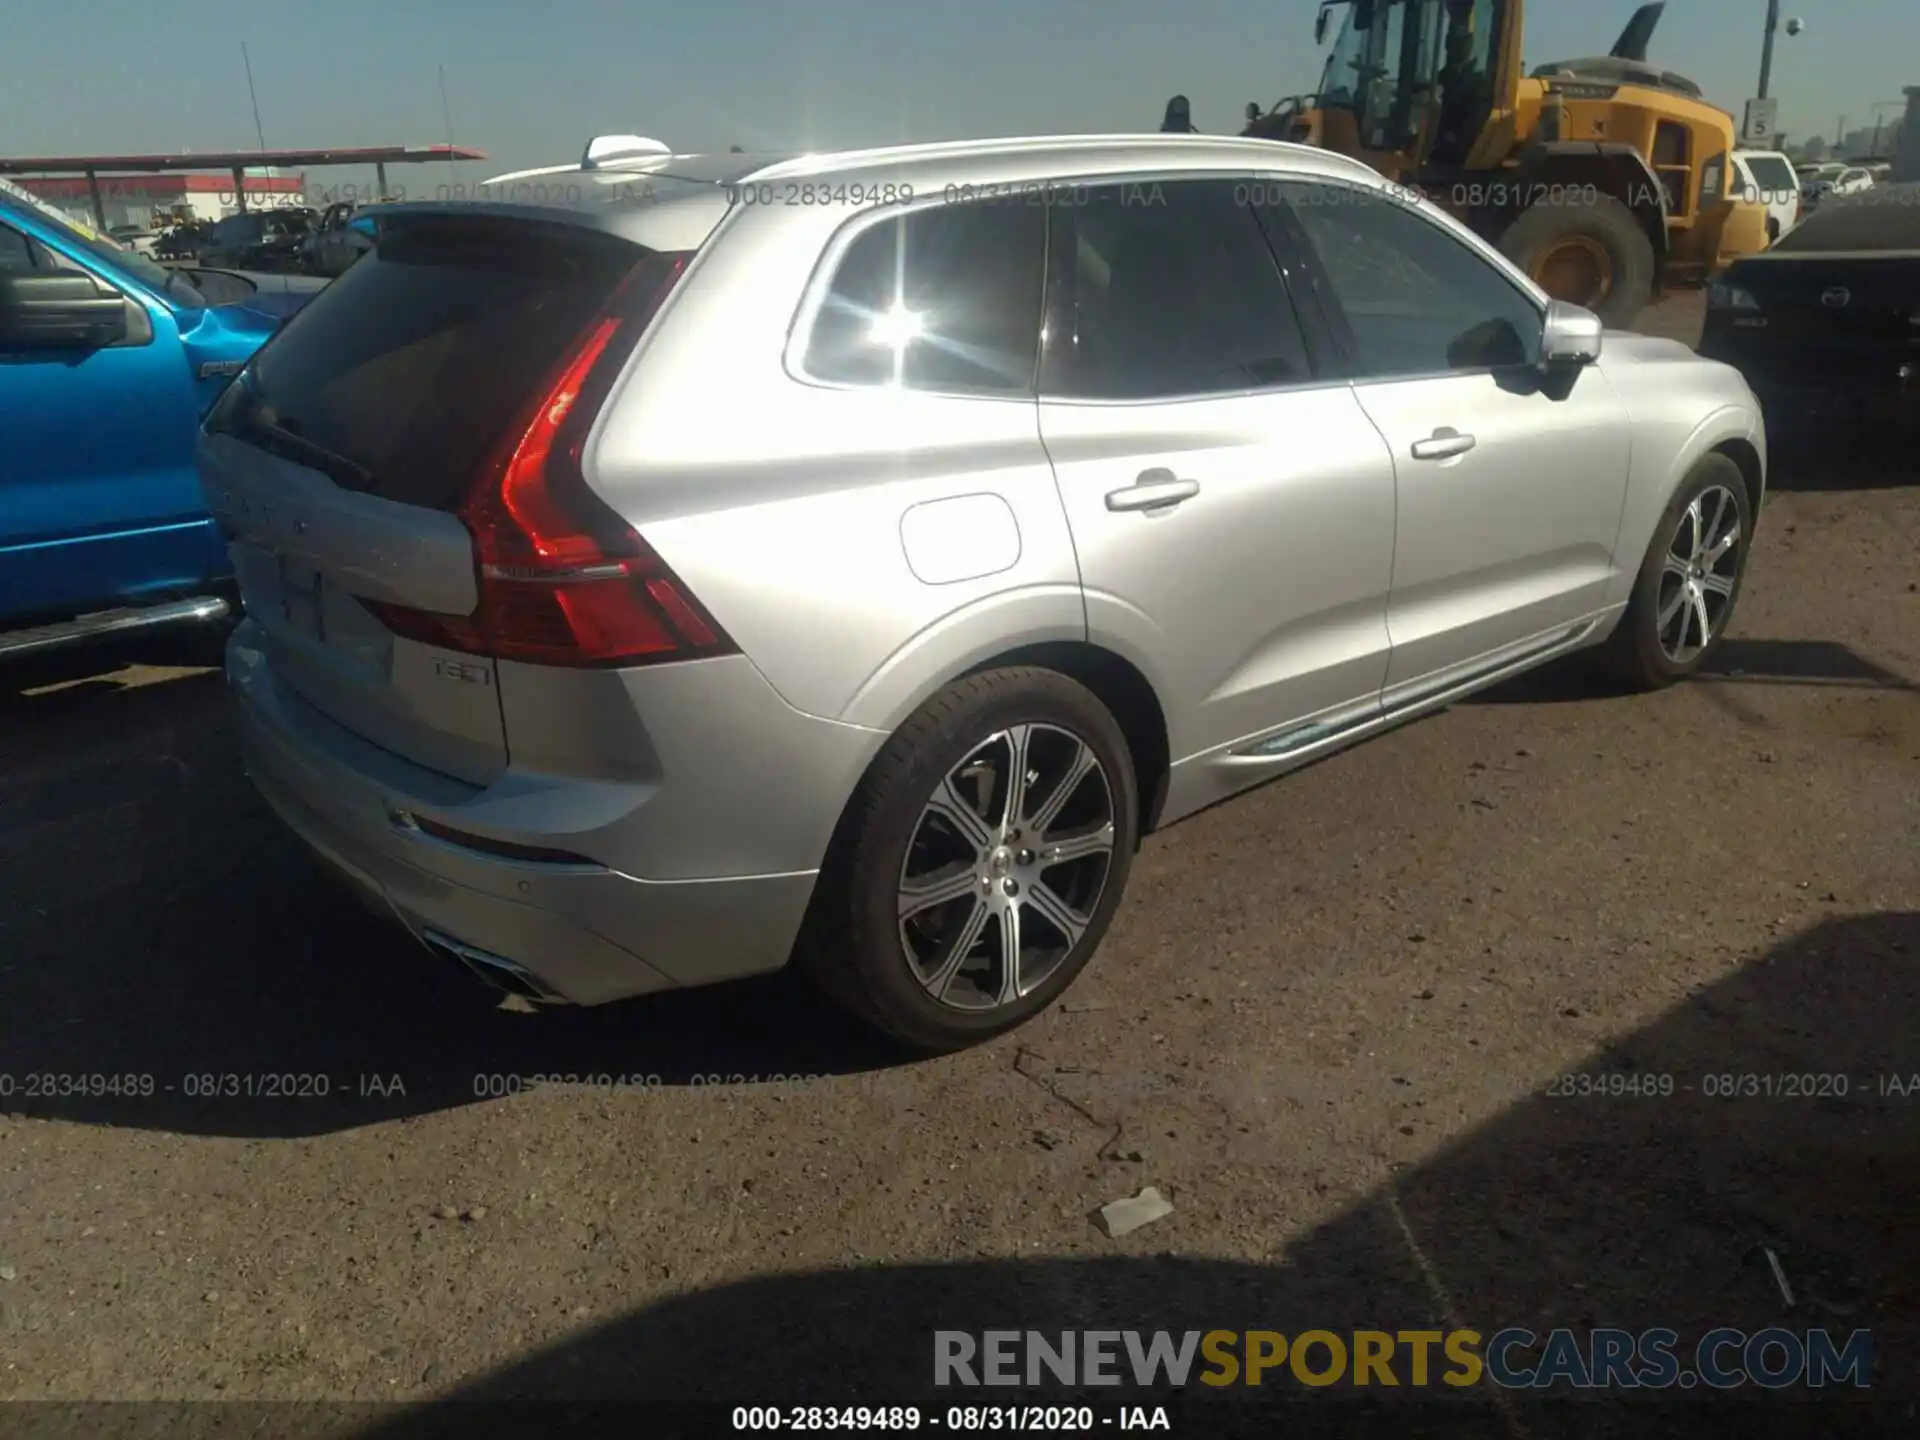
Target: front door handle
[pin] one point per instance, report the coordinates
(1154, 490)
(1443, 444)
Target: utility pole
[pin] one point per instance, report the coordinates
(1880, 108)
(446, 114)
(1766, 49)
(239, 174)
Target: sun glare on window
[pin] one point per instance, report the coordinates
(896, 329)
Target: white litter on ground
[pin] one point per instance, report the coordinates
(1123, 1217)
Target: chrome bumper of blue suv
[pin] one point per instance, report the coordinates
(584, 934)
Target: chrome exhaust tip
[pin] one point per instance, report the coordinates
(494, 971)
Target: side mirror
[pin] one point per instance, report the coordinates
(1320, 24)
(59, 310)
(1572, 336)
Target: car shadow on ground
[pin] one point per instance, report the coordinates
(1770, 1118)
(1809, 663)
(160, 931)
(1841, 459)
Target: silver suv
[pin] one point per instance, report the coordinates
(849, 558)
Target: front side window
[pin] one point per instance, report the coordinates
(945, 298)
(1166, 291)
(1417, 300)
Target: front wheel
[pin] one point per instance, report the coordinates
(1689, 582)
(981, 863)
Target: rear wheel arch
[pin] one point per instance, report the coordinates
(1119, 685)
(1114, 681)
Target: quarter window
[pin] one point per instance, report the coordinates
(944, 299)
(1416, 300)
(1164, 291)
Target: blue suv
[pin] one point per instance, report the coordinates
(108, 361)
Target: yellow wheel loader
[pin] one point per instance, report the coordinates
(1606, 179)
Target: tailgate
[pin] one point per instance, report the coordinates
(337, 463)
(306, 553)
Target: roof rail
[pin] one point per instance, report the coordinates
(1039, 144)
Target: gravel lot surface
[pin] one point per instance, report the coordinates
(1327, 1026)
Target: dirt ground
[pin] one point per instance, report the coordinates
(1326, 1026)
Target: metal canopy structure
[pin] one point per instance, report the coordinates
(235, 162)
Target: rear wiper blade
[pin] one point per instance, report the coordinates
(281, 441)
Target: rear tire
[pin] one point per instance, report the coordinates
(1607, 224)
(1689, 586)
(933, 972)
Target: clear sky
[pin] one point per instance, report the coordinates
(529, 82)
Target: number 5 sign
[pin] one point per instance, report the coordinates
(1762, 123)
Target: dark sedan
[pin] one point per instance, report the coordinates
(1826, 324)
(258, 240)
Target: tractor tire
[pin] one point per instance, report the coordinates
(1609, 253)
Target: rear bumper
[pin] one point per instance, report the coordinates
(586, 934)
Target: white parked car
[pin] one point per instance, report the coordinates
(1768, 177)
(1832, 182)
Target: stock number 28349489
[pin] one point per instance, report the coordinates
(797, 192)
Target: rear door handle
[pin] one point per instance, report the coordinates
(1154, 490)
(1443, 444)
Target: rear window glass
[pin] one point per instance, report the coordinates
(1771, 173)
(402, 374)
(1886, 218)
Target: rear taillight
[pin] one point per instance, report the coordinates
(563, 580)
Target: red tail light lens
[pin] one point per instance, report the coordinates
(563, 580)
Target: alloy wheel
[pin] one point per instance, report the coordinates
(1006, 866)
(1698, 578)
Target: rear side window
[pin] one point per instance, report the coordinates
(945, 299)
(1416, 300)
(401, 376)
(1165, 291)
(1773, 175)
